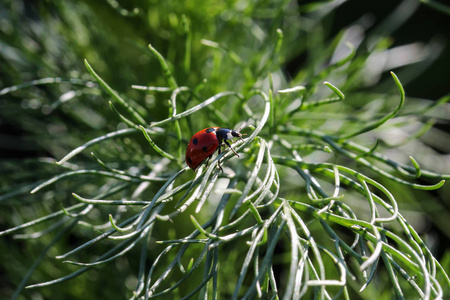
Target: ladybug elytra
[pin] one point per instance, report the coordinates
(204, 143)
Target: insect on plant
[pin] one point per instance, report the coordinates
(204, 143)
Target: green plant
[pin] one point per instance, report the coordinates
(308, 210)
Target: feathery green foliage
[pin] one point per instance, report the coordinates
(310, 208)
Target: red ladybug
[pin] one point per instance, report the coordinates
(204, 143)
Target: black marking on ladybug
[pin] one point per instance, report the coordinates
(205, 149)
(209, 130)
(189, 160)
(195, 141)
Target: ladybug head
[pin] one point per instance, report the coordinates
(236, 133)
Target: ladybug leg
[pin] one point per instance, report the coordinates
(228, 144)
(207, 161)
(218, 162)
(220, 167)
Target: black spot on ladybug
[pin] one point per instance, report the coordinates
(189, 160)
(195, 141)
(205, 149)
(209, 130)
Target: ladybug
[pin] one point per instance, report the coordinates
(204, 143)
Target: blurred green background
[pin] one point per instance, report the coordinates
(51, 39)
